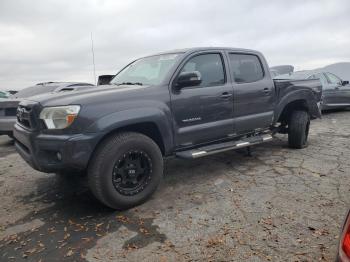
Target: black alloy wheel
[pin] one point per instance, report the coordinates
(132, 172)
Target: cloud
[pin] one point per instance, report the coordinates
(47, 40)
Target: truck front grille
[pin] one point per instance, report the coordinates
(24, 116)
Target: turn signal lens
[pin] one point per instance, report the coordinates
(344, 247)
(70, 119)
(346, 244)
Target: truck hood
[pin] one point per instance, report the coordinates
(85, 96)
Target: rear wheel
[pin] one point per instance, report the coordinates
(125, 170)
(298, 129)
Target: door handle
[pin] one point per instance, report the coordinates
(266, 90)
(226, 95)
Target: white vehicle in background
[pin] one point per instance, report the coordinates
(281, 70)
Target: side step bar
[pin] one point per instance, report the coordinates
(216, 148)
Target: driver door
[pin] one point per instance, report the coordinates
(203, 113)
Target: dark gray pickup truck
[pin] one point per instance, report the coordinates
(185, 103)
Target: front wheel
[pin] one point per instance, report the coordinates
(125, 170)
(298, 129)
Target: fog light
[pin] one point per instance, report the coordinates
(59, 156)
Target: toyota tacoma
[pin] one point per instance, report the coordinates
(186, 103)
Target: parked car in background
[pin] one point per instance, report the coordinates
(8, 105)
(104, 79)
(344, 243)
(336, 92)
(274, 73)
(12, 92)
(282, 69)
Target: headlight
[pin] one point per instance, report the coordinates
(59, 117)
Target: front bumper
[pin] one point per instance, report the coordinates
(6, 125)
(54, 153)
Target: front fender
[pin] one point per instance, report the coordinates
(120, 119)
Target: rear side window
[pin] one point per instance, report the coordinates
(209, 66)
(246, 68)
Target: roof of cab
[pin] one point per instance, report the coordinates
(196, 49)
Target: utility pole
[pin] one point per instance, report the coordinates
(93, 57)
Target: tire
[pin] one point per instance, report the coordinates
(71, 174)
(110, 170)
(298, 129)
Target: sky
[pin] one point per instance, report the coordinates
(47, 40)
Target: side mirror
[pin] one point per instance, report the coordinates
(104, 79)
(186, 79)
(344, 83)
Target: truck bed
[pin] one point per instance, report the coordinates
(285, 86)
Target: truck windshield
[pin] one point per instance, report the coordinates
(146, 71)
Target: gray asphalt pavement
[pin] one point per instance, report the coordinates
(277, 205)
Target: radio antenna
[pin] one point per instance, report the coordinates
(93, 57)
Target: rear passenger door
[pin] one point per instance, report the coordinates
(254, 91)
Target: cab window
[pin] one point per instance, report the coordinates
(246, 68)
(210, 67)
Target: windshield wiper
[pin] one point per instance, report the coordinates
(129, 83)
